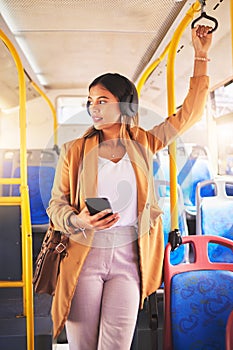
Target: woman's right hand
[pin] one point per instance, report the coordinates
(201, 39)
(97, 222)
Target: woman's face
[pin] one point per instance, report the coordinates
(104, 107)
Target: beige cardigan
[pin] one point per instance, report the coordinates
(140, 146)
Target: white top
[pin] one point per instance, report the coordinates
(117, 182)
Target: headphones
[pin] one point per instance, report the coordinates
(128, 102)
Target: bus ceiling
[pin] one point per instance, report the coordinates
(99, 36)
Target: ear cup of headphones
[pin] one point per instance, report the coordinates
(87, 107)
(129, 102)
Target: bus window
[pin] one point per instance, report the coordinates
(222, 107)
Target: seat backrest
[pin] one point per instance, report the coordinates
(198, 297)
(41, 165)
(197, 168)
(214, 215)
(163, 172)
(156, 165)
(193, 165)
(162, 192)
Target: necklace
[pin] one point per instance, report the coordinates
(112, 152)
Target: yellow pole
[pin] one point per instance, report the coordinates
(172, 107)
(150, 69)
(10, 284)
(25, 207)
(194, 8)
(55, 124)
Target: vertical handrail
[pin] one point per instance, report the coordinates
(172, 108)
(27, 265)
(55, 124)
(171, 49)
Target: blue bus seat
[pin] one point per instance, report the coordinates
(193, 166)
(198, 297)
(162, 191)
(195, 169)
(214, 215)
(41, 165)
(163, 172)
(181, 158)
(156, 165)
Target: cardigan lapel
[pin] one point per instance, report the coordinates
(88, 176)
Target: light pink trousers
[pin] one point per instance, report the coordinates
(105, 304)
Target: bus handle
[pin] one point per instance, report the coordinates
(204, 15)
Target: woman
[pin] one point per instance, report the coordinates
(114, 261)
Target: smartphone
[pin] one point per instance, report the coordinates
(97, 204)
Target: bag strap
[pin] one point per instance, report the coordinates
(61, 246)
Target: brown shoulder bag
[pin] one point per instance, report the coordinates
(53, 249)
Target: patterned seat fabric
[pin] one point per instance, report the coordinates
(200, 305)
